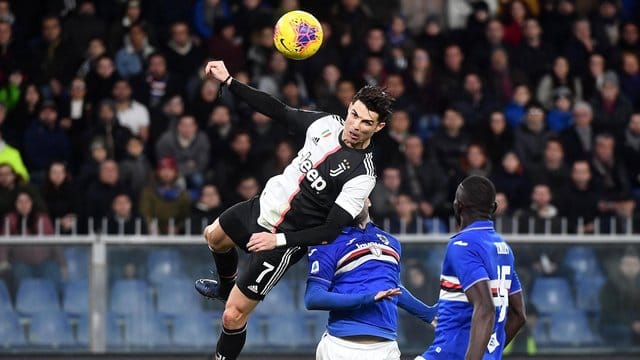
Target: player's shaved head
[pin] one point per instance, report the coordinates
(475, 199)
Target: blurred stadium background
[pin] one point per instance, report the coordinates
(115, 151)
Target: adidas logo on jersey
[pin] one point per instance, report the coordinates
(253, 288)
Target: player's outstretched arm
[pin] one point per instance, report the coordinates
(415, 307)
(297, 120)
(482, 320)
(516, 317)
(318, 297)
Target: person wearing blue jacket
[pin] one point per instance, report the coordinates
(357, 279)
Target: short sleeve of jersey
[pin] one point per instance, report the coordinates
(322, 264)
(515, 284)
(467, 263)
(354, 192)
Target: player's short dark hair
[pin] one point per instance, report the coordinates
(479, 195)
(376, 100)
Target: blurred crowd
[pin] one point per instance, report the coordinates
(107, 122)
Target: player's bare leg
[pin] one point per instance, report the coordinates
(234, 325)
(225, 256)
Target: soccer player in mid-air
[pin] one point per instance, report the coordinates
(480, 308)
(320, 192)
(357, 278)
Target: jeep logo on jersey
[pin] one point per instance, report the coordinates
(312, 175)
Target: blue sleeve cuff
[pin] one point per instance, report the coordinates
(415, 307)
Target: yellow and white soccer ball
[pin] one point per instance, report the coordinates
(297, 35)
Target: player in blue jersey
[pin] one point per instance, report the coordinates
(357, 278)
(480, 308)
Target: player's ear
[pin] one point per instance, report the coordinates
(495, 208)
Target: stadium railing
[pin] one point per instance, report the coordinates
(579, 261)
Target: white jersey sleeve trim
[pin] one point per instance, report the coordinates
(354, 193)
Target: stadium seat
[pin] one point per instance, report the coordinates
(317, 322)
(163, 264)
(196, 329)
(177, 296)
(256, 333)
(37, 295)
(288, 330)
(114, 335)
(75, 299)
(5, 298)
(551, 295)
(571, 328)
(146, 329)
(588, 292)
(77, 259)
(582, 260)
(11, 332)
(50, 329)
(280, 300)
(129, 297)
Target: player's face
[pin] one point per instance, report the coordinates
(360, 125)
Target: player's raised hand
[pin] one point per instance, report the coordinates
(387, 294)
(261, 241)
(217, 69)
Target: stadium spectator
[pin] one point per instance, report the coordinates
(496, 136)
(247, 188)
(515, 109)
(593, 80)
(502, 76)
(631, 153)
(476, 101)
(76, 114)
(474, 162)
(135, 168)
(390, 142)
(338, 103)
(161, 121)
(190, 148)
(275, 164)
(406, 219)
(12, 56)
(219, 130)
(265, 134)
(629, 37)
(578, 138)
(95, 49)
(292, 96)
(612, 109)
(542, 216)
(384, 194)
(476, 24)
(560, 116)
(620, 318)
(90, 167)
(451, 76)
(157, 84)
(208, 206)
(122, 219)
(34, 260)
(278, 71)
(630, 79)
(52, 57)
(560, 76)
(11, 89)
(606, 23)
(611, 175)
(534, 55)
(20, 118)
(132, 57)
(422, 83)
(44, 142)
(259, 51)
(208, 17)
(184, 56)
(553, 170)
(131, 114)
(206, 99)
(61, 197)
(450, 141)
(580, 200)
(100, 193)
(511, 179)
(132, 15)
(481, 51)
(234, 163)
(374, 73)
(164, 203)
(514, 16)
(531, 135)
(81, 25)
(108, 130)
(582, 44)
(423, 180)
(10, 155)
(101, 79)
(326, 85)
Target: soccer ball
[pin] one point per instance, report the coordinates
(297, 35)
